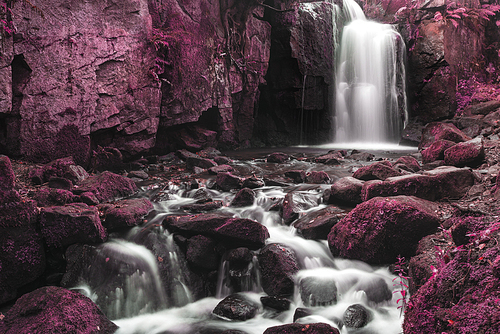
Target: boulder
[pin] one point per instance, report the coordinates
(236, 307)
(376, 171)
(361, 156)
(436, 150)
(197, 161)
(7, 177)
(55, 310)
(47, 197)
(64, 168)
(295, 203)
(201, 252)
(317, 224)
(295, 328)
(276, 302)
(244, 197)
(469, 153)
(318, 177)
(220, 169)
(107, 159)
(253, 182)
(202, 206)
(356, 316)
(125, 213)
(107, 186)
(225, 229)
(62, 226)
(278, 265)
(437, 131)
(278, 157)
(318, 291)
(298, 176)
(60, 183)
(483, 108)
(346, 190)
(375, 288)
(379, 230)
(227, 181)
(410, 162)
(138, 174)
(333, 158)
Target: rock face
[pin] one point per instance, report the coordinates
(55, 310)
(378, 230)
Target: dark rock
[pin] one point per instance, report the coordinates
(278, 157)
(276, 302)
(16, 211)
(220, 160)
(437, 131)
(453, 182)
(62, 226)
(202, 207)
(237, 232)
(376, 171)
(201, 252)
(253, 182)
(278, 265)
(379, 230)
(7, 177)
(236, 307)
(346, 190)
(139, 174)
(465, 229)
(298, 176)
(436, 150)
(227, 181)
(334, 158)
(409, 162)
(469, 153)
(184, 154)
(107, 159)
(316, 328)
(483, 108)
(492, 119)
(89, 198)
(244, 197)
(64, 167)
(276, 181)
(192, 137)
(125, 213)
(301, 312)
(361, 156)
(412, 134)
(60, 183)
(220, 169)
(47, 197)
(316, 225)
(318, 291)
(375, 288)
(209, 153)
(197, 161)
(240, 256)
(318, 177)
(55, 310)
(296, 202)
(356, 316)
(106, 186)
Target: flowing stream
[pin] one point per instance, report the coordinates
(370, 81)
(140, 302)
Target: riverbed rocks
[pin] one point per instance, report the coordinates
(295, 328)
(106, 186)
(236, 307)
(125, 213)
(469, 153)
(376, 171)
(55, 310)
(380, 229)
(346, 190)
(295, 203)
(278, 264)
(439, 131)
(317, 224)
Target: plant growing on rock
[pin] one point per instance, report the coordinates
(401, 284)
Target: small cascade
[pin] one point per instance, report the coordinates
(370, 81)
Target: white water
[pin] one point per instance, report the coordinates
(370, 77)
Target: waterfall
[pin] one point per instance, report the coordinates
(370, 81)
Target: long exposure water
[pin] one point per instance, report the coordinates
(140, 302)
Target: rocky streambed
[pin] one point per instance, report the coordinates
(252, 242)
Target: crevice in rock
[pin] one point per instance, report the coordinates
(21, 74)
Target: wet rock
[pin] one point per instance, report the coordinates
(7, 176)
(379, 230)
(230, 231)
(125, 213)
(60, 183)
(55, 310)
(139, 174)
(240, 256)
(294, 328)
(64, 168)
(298, 176)
(361, 156)
(316, 225)
(278, 157)
(220, 169)
(333, 158)
(276, 302)
(483, 108)
(47, 197)
(441, 182)
(227, 181)
(202, 207)
(469, 153)
(296, 202)
(209, 153)
(376, 171)
(62, 226)
(346, 190)
(410, 162)
(437, 131)
(412, 134)
(221, 160)
(244, 197)
(236, 307)
(318, 177)
(436, 150)
(106, 186)
(197, 161)
(253, 182)
(301, 312)
(356, 316)
(184, 154)
(375, 288)
(276, 181)
(107, 159)
(201, 252)
(278, 265)
(318, 291)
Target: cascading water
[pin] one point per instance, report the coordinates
(370, 81)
